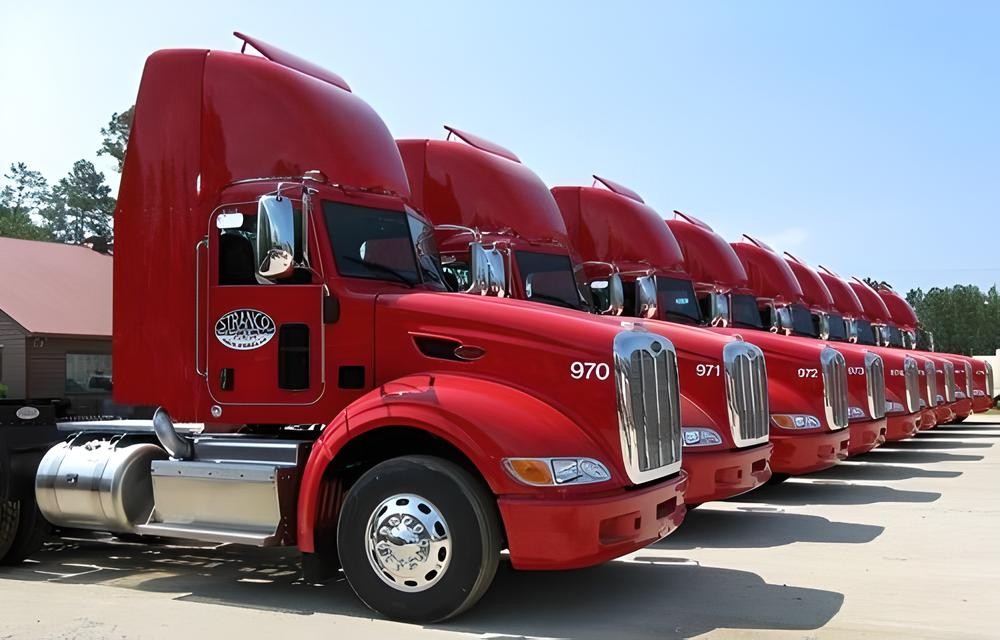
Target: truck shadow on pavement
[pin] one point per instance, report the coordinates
(670, 597)
(950, 433)
(832, 492)
(921, 443)
(848, 471)
(881, 455)
(761, 527)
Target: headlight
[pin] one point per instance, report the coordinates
(856, 413)
(939, 399)
(894, 407)
(795, 421)
(959, 395)
(700, 437)
(544, 472)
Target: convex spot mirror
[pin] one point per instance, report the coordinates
(782, 320)
(275, 250)
(229, 221)
(608, 296)
(645, 297)
(487, 275)
(822, 325)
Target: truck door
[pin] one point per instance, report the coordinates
(263, 340)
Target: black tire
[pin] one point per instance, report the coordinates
(465, 505)
(958, 419)
(778, 478)
(10, 516)
(32, 529)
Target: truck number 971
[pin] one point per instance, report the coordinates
(587, 370)
(707, 370)
(808, 373)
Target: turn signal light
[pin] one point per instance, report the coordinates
(556, 471)
(795, 421)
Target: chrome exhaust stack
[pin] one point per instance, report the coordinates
(179, 447)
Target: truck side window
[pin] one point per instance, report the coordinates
(457, 275)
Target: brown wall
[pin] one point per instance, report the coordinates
(47, 362)
(12, 341)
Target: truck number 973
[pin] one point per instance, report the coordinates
(587, 370)
(855, 371)
(707, 370)
(808, 373)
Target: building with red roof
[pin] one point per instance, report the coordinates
(55, 322)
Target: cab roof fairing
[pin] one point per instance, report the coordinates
(816, 294)
(709, 260)
(769, 276)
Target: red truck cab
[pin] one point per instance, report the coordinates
(473, 189)
(612, 227)
(856, 315)
(902, 333)
(904, 396)
(781, 303)
(272, 283)
(887, 334)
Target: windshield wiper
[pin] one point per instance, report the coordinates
(554, 300)
(384, 269)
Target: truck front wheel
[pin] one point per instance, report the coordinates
(22, 530)
(419, 538)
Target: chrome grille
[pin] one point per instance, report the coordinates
(911, 375)
(949, 382)
(746, 392)
(968, 380)
(989, 379)
(649, 411)
(875, 374)
(931, 371)
(835, 398)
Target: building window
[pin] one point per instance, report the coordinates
(88, 373)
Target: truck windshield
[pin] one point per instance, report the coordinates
(745, 312)
(866, 334)
(803, 323)
(676, 299)
(549, 278)
(838, 327)
(382, 245)
(894, 335)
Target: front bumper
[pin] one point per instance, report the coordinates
(981, 403)
(807, 452)
(944, 413)
(962, 408)
(901, 426)
(580, 532)
(866, 435)
(717, 475)
(928, 419)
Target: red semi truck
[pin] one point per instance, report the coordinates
(473, 189)
(860, 330)
(750, 295)
(902, 332)
(616, 232)
(902, 373)
(958, 377)
(272, 283)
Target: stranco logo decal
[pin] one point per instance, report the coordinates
(244, 329)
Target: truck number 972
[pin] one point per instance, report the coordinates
(808, 373)
(587, 370)
(707, 370)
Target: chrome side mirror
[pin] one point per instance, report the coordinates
(487, 275)
(823, 324)
(784, 319)
(646, 299)
(718, 309)
(852, 330)
(275, 250)
(608, 295)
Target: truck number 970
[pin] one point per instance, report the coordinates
(707, 370)
(808, 373)
(587, 370)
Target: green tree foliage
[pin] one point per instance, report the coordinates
(24, 194)
(963, 318)
(115, 136)
(80, 205)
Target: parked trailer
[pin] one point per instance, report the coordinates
(474, 189)
(272, 283)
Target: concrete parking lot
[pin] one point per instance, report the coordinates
(903, 543)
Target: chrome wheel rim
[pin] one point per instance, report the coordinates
(408, 542)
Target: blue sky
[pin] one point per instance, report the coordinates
(860, 135)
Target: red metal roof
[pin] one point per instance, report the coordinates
(55, 289)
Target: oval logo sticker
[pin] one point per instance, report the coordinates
(244, 329)
(27, 413)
